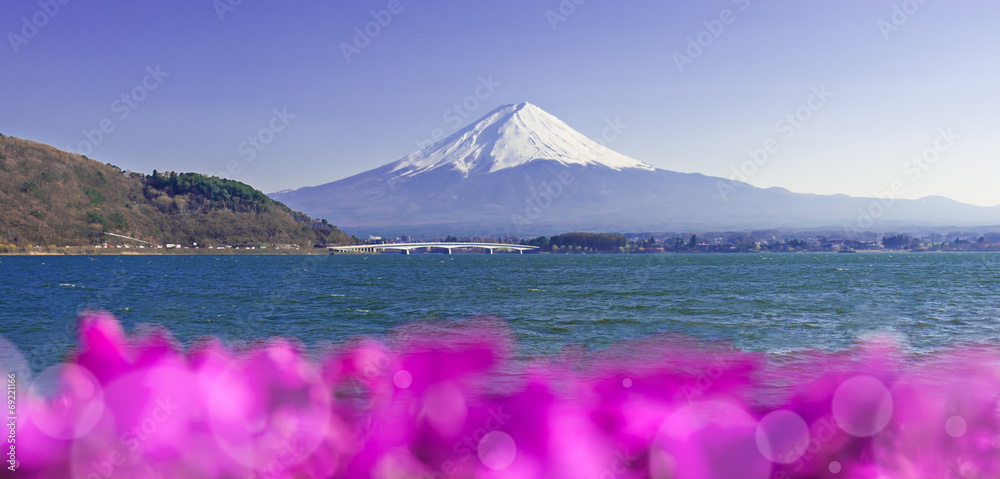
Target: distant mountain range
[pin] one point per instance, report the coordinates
(52, 197)
(520, 170)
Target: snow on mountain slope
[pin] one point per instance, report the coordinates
(520, 170)
(510, 136)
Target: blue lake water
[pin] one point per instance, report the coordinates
(761, 302)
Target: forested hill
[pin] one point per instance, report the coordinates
(52, 197)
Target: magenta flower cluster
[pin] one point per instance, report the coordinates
(461, 402)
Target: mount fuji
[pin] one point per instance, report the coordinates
(520, 170)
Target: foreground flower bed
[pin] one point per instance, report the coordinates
(451, 403)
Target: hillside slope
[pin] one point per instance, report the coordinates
(52, 197)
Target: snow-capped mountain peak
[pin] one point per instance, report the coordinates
(520, 170)
(510, 136)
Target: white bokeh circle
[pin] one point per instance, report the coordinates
(782, 436)
(67, 401)
(497, 450)
(862, 406)
(956, 426)
(402, 379)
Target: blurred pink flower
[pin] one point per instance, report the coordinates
(453, 403)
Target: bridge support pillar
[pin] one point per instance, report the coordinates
(490, 250)
(449, 250)
(406, 251)
(520, 251)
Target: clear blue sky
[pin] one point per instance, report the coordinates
(893, 86)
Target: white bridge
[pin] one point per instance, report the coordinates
(405, 248)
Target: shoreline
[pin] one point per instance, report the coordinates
(324, 252)
(81, 251)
